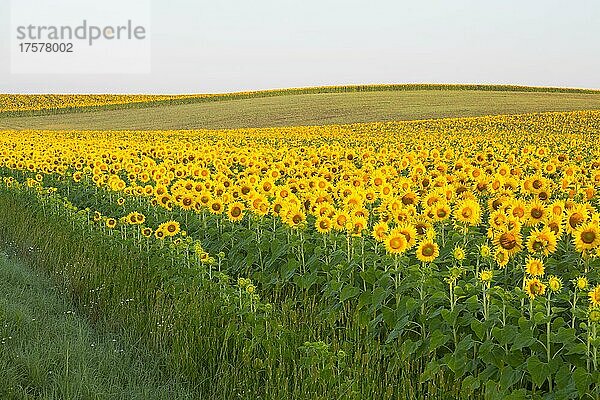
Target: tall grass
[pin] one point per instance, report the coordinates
(198, 328)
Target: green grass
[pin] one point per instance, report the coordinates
(48, 351)
(300, 108)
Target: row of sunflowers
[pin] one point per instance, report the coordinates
(466, 248)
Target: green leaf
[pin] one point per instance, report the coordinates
(523, 339)
(520, 394)
(576, 348)
(582, 380)
(508, 377)
(288, 269)
(538, 370)
(449, 316)
(364, 299)
(349, 292)
(437, 339)
(564, 335)
(469, 385)
(431, 371)
(478, 328)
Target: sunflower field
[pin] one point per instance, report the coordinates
(450, 258)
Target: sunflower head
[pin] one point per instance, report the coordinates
(594, 315)
(554, 283)
(486, 276)
(458, 253)
(427, 251)
(534, 287)
(395, 242)
(581, 283)
(594, 296)
(323, 224)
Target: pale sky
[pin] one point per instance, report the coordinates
(200, 46)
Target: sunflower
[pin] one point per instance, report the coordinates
(458, 253)
(409, 232)
(557, 208)
(359, 224)
(235, 211)
(323, 224)
(576, 216)
(395, 242)
(536, 213)
(501, 257)
(164, 200)
(542, 241)
(380, 230)
(171, 228)
(534, 267)
(485, 251)
(518, 209)
(295, 218)
(554, 283)
(534, 287)
(508, 240)
(216, 206)
(147, 232)
(340, 219)
(594, 314)
(594, 296)
(187, 202)
(159, 233)
(581, 283)
(422, 225)
(427, 251)
(586, 236)
(468, 212)
(111, 223)
(486, 276)
(441, 211)
(132, 218)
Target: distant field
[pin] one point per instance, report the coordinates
(313, 109)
